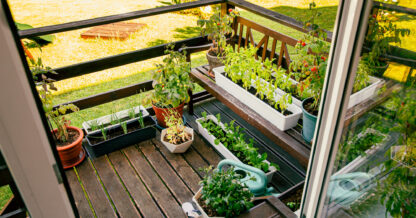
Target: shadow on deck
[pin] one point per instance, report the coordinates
(146, 180)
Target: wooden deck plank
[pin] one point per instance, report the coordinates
(81, 201)
(181, 166)
(168, 175)
(207, 152)
(147, 205)
(95, 191)
(159, 191)
(121, 199)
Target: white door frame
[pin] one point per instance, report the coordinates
(348, 39)
(24, 141)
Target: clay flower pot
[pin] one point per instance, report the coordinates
(72, 154)
(162, 112)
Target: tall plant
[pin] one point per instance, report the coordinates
(171, 80)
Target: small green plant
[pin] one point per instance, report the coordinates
(233, 139)
(103, 132)
(94, 125)
(141, 119)
(218, 27)
(114, 119)
(124, 127)
(171, 80)
(292, 205)
(223, 194)
(175, 133)
(132, 113)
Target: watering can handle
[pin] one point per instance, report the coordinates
(261, 174)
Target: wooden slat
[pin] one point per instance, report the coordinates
(113, 18)
(195, 161)
(95, 191)
(159, 191)
(282, 50)
(181, 166)
(273, 53)
(81, 201)
(266, 43)
(118, 194)
(120, 59)
(168, 175)
(396, 8)
(281, 208)
(240, 36)
(206, 152)
(248, 37)
(274, 16)
(147, 206)
(287, 57)
(282, 139)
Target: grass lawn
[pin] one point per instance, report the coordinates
(5, 195)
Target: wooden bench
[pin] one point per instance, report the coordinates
(295, 146)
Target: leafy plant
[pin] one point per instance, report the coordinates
(171, 80)
(61, 123)
(104, 132)
(218, 27)
(223, 194)
(132, 113)
(175, 133)
(233, 139)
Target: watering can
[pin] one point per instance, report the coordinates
(346, 188)
(257, 187)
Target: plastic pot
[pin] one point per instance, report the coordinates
(72, 154)
(162, 112)
(309, 122)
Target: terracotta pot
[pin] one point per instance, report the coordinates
(72, 154)
(161, 112)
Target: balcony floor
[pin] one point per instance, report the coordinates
(146, 180)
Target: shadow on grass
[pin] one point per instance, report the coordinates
(181, 33)
(326, 20)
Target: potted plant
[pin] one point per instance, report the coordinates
(222, 194)
(229, 141)
(68, 139)
(171, 83)
(218, 27)
(176, 137)
(111, 120)
(251, 82)
(109, 139)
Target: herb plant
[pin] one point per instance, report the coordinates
(175, 133)
(233, 139)
(141, 119)
(171, 80)
(124, 127)
(104, 133)
(223, 194)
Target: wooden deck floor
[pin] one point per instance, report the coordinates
(146, 180)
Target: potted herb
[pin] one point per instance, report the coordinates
(251, 82)
(176, 137)
(111, 120)
(218, 27)
(68, 139)
(222, 194)
(229, 141)
(171, 83)
(109, 139)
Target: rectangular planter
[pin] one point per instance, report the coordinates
(121, 141)
(107, 119)
(263, 109)
(365, 93)
(222, 149)
(358, 161)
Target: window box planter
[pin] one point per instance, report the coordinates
(222, 149)
(106, 120)
(263, 109)
(181, 148)
(364, 93)
(358, 161)
(97, 146)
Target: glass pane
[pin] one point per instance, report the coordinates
(375, 166)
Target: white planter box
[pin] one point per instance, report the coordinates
(263, 109)
(360, 160)
(181, 148)
(195, 200)
(222, 149)
(108, 118)
(364, 93)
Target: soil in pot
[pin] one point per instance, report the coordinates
(293, 201)
(73, 135)
(112, 133)
(308, 106)
(162, 112)
(253, 91)
(208, 210)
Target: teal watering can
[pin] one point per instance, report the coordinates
(257, 187)
(346, 188)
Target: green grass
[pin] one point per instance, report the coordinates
(5, 195)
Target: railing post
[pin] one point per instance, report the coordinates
(191, 102)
